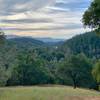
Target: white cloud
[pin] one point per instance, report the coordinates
(16, 6)
(40, 17)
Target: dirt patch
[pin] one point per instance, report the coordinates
(92, 98)
(82, 98)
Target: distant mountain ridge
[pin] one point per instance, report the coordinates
(48, 40)
(45, 40)
(25, 42)
(12, 36)
(87, 43)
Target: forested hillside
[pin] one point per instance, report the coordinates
(25, 42)
(25, 61)
(88, 43)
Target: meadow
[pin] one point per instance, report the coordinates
(47, 93)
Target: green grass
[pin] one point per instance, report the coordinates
(45, 93)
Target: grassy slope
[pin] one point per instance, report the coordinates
(46, 93)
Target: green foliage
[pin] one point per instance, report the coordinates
(27, 63)
(88, 43)
(2, 37)
(30, 71)
(96, 72)
(91, 17)
(7, 62)
(24, 42)
(78, 70)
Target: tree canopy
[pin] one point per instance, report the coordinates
(2, 37)
(96, 72)
(91, 17)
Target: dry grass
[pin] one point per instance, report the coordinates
(47, 93)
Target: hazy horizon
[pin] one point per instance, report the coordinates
(43, 18)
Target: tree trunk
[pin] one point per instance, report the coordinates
(74, 84)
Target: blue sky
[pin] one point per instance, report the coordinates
(43, 18)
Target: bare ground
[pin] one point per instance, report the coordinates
(82, 98)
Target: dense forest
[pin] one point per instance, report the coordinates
(88, 43)
(26, 61)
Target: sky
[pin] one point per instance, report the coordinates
(43, 18)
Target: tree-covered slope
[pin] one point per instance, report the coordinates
(26, 42)
(88, 43)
